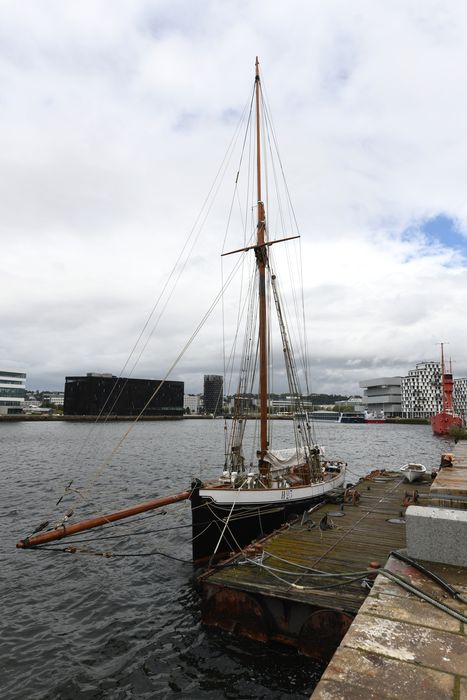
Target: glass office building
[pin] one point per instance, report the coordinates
(12, 391)
(105, 394)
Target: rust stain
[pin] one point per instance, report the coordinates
(240, 597)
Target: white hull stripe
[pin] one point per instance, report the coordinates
(252, 497)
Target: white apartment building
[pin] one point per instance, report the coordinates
(191, 401)
(460, 396)
(418, 395)
(55, 398)
(421, 393)
(12, 391)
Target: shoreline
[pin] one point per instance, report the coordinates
(14, 418)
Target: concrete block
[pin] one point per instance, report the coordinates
(449, 482)
(362, 675)
(437, 534)
(412, 644)
(415, 612)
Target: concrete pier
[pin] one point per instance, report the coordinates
(449, 489)
(400, 645)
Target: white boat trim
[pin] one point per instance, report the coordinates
(262, 496)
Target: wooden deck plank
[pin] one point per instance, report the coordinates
(361, 536)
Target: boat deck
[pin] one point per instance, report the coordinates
(360, 534)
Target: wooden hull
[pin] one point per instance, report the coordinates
(248, 514)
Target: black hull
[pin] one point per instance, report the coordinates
(245, 524)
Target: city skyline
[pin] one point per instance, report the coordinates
(199, 391)
(114, 126)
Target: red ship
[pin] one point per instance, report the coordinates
(442, 422)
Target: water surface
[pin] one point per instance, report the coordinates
(86, 626)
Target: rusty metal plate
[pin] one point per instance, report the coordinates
(322, 633)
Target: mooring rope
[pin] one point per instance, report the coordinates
(225, 526)
(360, 576)
(109, 555)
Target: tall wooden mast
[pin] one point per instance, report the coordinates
(261, 261)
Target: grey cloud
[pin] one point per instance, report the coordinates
(98, 190)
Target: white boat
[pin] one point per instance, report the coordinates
(413, 472)
(375, 417)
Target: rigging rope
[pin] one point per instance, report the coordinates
(110, 555)
(225, 526)
(199, 223)
(360, 576)
(201, 323)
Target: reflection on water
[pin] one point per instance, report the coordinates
(85, 626)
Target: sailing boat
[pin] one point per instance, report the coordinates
(446, 419)
(250, 498)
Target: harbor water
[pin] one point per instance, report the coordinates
(83, 625)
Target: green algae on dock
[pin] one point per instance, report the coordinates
(270, 593)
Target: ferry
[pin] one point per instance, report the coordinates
(337, 417)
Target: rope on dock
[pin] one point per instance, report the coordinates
(312, 572)
(347, 578)
(420, 594)
(352, 577)
(434, 577)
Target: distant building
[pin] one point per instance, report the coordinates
(31, 404)
(12, 391)
(421, 392)
(382, 396)
(355, 401)
(103, 393)
(287, 406)
(55, 398)
(418, 395)
(460, 396)
(191, 403)
(239, 405)
(213, 389)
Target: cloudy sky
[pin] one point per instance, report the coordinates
(115, 116)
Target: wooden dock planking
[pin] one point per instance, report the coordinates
(267, 605)
(363, 535)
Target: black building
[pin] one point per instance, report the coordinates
(213, 386)
(96, 393)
